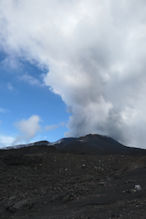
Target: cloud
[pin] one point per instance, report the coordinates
(95, 53)
(28, 129)
(10, 62)
(6, 140)
(55, 126)
(30, 80)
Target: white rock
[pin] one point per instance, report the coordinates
(83, 165)
(138, 187)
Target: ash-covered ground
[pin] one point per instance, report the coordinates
(40, 182)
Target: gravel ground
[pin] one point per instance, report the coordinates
(42, 183)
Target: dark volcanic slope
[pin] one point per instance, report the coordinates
(95, 144)
(40, 182)
(89, 144)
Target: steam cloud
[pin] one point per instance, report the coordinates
(28, 129)
(95, 52)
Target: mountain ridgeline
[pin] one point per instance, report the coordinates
(89, 144)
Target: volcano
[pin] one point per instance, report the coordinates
(92, 176)
(89, 144)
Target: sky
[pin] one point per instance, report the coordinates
(29, 111)
(69, 68)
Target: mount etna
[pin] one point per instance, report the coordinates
(92, 176)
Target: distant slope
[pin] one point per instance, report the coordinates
(95, 144)
(89, 144)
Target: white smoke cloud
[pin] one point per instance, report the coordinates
(6, 140)
(30, 80)
(95, 52)
(55, 126)
(28, 129)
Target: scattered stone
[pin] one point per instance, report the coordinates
(83, 165)
(138, 188)
(96, 168)
(14, 206)
(101, 183)
(71, 186)
(69, 197)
